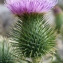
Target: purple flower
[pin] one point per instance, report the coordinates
(29, 6)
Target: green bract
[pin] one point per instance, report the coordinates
(5, 55)
(34, 37)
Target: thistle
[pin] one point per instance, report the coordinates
(5, 55)
(33, 35)
(59, 18)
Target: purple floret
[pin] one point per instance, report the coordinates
(30, 6)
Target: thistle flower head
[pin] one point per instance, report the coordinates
(57, 10)
(30, 6)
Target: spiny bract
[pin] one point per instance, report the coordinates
(5, 56)
(33, 36)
